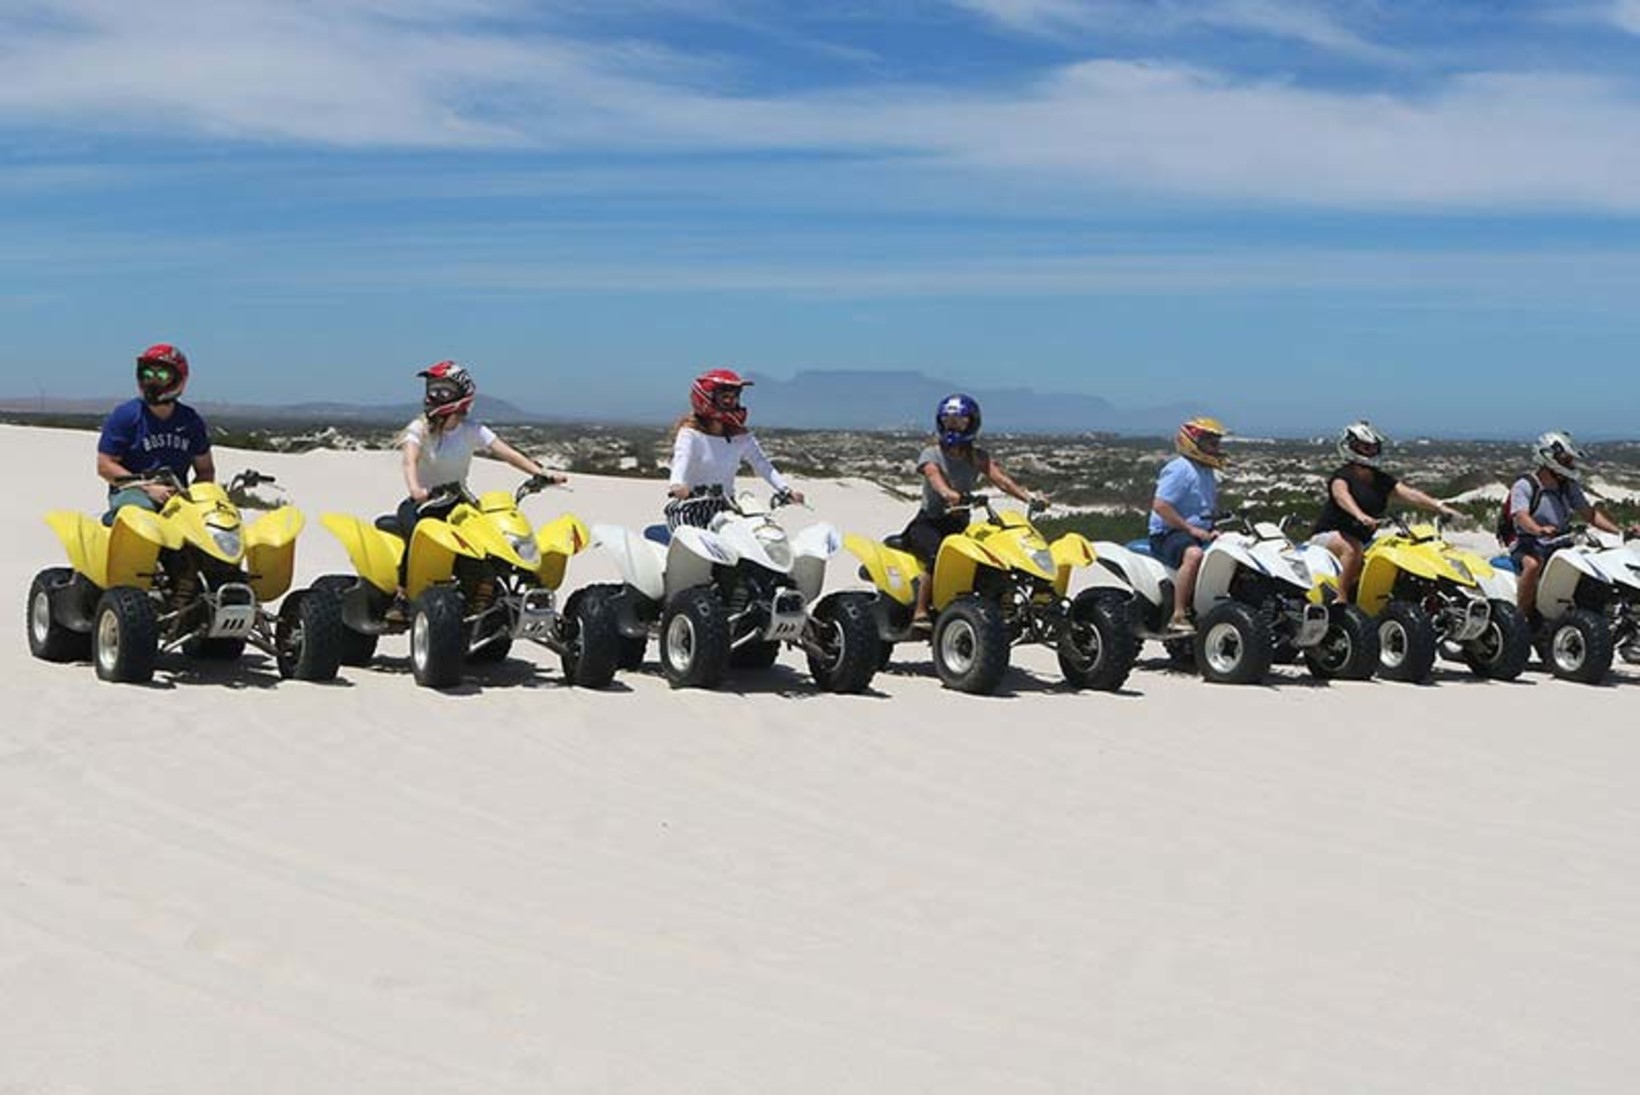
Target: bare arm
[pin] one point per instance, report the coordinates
(109, 468)
(507, 454)
(1594, 516)
(412, 481)
(205, 468)
(1173, 519)
(931, 472)
(1414, 497)
(1340, 492)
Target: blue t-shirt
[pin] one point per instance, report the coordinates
(143, 442)
(1191, 489)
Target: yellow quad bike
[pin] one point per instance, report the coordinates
(477, 579)
(1428, 596)
(193, 576)
(996, 584)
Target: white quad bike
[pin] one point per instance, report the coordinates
(1259, 598)
(1589, 600)
(731, 594)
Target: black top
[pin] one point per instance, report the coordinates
(1370, 487)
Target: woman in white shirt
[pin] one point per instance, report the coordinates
(711, 445)
(439, 445)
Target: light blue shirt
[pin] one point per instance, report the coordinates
(1190, 488)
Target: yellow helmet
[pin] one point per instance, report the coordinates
(1199, 439)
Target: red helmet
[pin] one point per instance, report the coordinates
(162, 373)
(450, 390)
(710, 397)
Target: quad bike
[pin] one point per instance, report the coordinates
(729, 595)
(476, 580)
(996, 584)
(1427, 596)
(1589, 601)
(1259, 598)
(192, 576)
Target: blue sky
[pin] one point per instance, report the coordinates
(1286, 211)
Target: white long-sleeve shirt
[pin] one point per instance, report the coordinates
(703, 459)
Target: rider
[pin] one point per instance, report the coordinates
(712, 442)
(1543, 504)
(951, 469)
(1181, 513)
(153, 432)
(439, 446)
(1358, 496)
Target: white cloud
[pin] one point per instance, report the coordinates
(1315, 24)
(1626, 14)
(456, 74)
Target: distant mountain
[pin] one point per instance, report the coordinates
(815, 399)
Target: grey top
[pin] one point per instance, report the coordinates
(960, 471)
(1555, 507)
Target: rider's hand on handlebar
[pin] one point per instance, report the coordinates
(420, 494)
(159, 492)
(677, 490)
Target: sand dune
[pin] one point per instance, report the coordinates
(230, 883)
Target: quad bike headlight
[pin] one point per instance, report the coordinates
(773, 539)
(228, 541)
(525, 547)
(1043, 560)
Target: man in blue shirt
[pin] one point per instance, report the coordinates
(153, 432)
(1181, 513)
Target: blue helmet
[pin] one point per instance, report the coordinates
(957, 406)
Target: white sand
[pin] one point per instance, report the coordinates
(230, 883)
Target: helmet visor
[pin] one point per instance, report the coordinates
(956, 423)
(1363, 447)
(441, 391)
(1207, 441)
(725, 397)
(1565, 457)
(156, 374)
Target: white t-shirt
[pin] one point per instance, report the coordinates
(445, 456)
(703, 459)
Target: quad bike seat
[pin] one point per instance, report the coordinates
(1504, 562)
(389, 523)
(897, 542)
(1140, 547)
(658, 533)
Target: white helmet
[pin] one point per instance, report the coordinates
(1555, 451)
(1361, 444)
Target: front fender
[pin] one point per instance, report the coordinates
(270, 551)
(1070, 551)
(954, 568)
(892, 571)
(375, 555)
(434, 547)
(558, 540)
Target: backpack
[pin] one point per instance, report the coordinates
(1507, 533)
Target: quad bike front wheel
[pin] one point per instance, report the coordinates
(308, 635)
(695, 639)
(1580, 647)
(971, 646)
(1234, 644)
(358, 647)
(125, 636)
(591, 651)
(1098, 647)
(49, 640)
(1406, 641)
(1500, 653)
(1349, 649)
(846, 645)
(438, 648)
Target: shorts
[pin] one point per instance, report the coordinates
(128, 496)
(1529, 545)
(924, 535)
(1169, 547)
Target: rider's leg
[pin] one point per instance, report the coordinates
(1184, 591)
(1350, 555)
(1531, 568)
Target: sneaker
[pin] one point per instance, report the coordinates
(1181, 625)
(922, 625)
